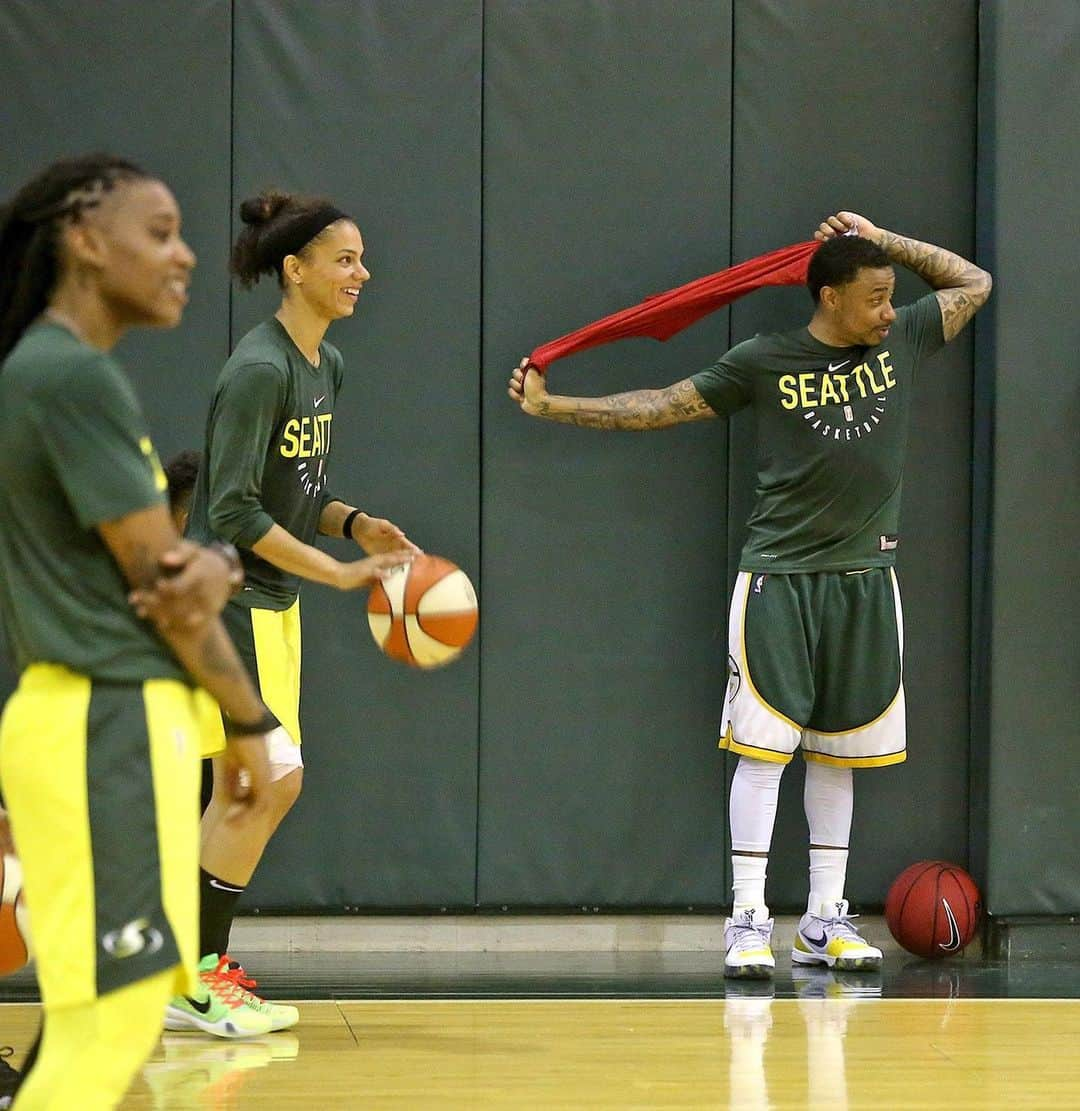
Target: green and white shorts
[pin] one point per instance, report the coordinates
(815, 660)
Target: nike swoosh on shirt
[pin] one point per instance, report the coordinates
(320, 400)
(837, 366)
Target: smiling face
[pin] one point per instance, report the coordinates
(860, 311)
(329, 274)
(131, 245)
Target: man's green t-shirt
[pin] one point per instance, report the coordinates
(832, 438)
(74, 452)
(268, 441)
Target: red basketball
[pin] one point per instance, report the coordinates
(933, 908)
(15, 947)
(424, 612)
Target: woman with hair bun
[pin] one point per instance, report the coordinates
(264, 486)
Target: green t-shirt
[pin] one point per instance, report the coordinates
(268, 440)
(74, 452)
(832, 438)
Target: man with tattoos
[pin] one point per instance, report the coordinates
(815, 630)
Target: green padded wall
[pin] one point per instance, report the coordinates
(606, 178)
(1030, 162)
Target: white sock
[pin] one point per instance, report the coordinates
(828, 799)
(828, 870)
(748, 873)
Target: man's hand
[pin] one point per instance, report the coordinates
(527, 387)
(194, 585)
(847, 223)
(376, 535)
(7, 842)
(247, 774)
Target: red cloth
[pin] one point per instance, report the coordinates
(664, 314)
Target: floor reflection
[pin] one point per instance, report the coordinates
(197, 1071)
(826, 1001)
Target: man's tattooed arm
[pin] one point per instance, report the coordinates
(962, 288)
(638, 410)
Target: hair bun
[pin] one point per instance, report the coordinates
(263, 208)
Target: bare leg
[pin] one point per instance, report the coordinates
(231, 850)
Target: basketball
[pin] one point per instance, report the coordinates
(424, 612)
(15, 948)
(932, 908)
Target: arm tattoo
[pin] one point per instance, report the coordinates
(638, 410)
(962, 287)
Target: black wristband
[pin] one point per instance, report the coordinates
(266, 724)
(346, 528)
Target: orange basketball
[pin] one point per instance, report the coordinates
(15, 947)
(932, 908)
(424, 612)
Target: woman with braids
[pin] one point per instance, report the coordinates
(264, 487)
(99, 745)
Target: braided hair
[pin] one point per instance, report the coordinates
(30, 223)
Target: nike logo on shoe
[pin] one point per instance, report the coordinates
(203, 1008)
(818, 941)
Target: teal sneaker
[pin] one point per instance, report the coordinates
(220, 1007)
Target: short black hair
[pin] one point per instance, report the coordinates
(838, 261)
(181, 472)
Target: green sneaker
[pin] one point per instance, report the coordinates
(281, 1015)
(220, 1007)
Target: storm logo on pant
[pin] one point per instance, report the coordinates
(131, 939)
(734, 679)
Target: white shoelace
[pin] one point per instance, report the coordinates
(842, 927)
(749, 937)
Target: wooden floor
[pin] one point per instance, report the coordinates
(745, 1053)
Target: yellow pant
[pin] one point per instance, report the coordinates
(101, 784)
(90, 1053)
(269, 644)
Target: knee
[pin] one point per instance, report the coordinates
(759, 773)
(285, 792)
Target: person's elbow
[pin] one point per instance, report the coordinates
(978, 286)
(238, 521)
